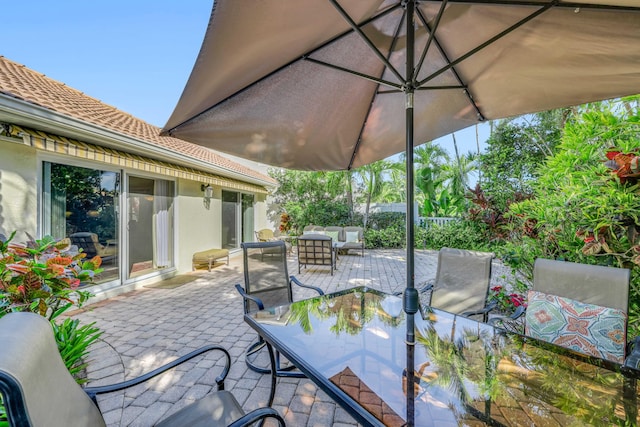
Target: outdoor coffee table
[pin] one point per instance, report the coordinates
(352, 345)
(336, 249)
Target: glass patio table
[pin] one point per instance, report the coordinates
(352, 345)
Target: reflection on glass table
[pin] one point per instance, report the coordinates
(352, 345)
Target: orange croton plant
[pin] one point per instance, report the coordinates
(43, 276)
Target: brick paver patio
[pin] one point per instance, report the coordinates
(146, 328)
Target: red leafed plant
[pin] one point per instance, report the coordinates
(43, 276)
(507, 303)
(285, 223)
(625, 165)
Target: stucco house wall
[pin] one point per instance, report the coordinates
(18, 190)
(198, 225)
(45, 124)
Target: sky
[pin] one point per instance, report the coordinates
(135, 55)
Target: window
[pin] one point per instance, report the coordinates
(82, 204)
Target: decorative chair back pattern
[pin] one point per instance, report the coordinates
(592, 284)
(580, 306)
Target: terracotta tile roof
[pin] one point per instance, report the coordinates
(20, 82)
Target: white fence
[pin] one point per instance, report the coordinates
(430, 220)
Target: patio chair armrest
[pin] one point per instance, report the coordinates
(246, 296)
(94, 391)
(484, 311)
(256, 415)
(633, 354)
(299, 283)
(513, 316)
(428, 285)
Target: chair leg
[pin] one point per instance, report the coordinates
(279, 372)
(272, 359)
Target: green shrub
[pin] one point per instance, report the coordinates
(382, 220)
(461, 234)
(323, 213)
(391, 237)
(73, 343)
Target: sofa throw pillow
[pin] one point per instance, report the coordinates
(352, 237)
(586, 328)
(333, 235)
(313, 232)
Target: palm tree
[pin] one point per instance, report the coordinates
(457, 177)
(429, 159)
(372, 176)
(393, 185)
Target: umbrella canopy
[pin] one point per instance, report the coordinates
(337, 84)
(321, 85)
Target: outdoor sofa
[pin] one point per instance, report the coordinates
(351, 237)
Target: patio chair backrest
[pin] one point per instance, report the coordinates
(265, 273)
(309, 228)
(592, 284)
(462, 280)
(35, 384)
(580, 306)
(88, 242)
(265, 235)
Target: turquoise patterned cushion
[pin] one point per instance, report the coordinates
(586, 328)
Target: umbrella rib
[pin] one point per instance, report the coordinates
(363, 36)
(493, 39)
(355, 73)
(446, 87)
(564, 5)
(364, 122)
(432, 32)
(285, 66)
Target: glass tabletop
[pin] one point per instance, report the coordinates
(352, 344)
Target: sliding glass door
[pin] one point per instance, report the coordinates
(237, 219)
(150, 225)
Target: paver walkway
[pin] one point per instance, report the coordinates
(147, 328)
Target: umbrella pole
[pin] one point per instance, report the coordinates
(410, 293)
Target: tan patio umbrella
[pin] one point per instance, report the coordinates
(337, 84)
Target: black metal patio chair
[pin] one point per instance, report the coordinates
(38, 391)
(267, 285)
(461, 284)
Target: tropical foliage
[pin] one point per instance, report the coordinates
(45, 276)
(581, 210)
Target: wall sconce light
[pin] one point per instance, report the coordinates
(208, 194)
(208, 190)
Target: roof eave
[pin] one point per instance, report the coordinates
(14, 110)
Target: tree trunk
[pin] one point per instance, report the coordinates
(455, 146)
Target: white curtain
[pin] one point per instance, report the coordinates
(162, 224)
